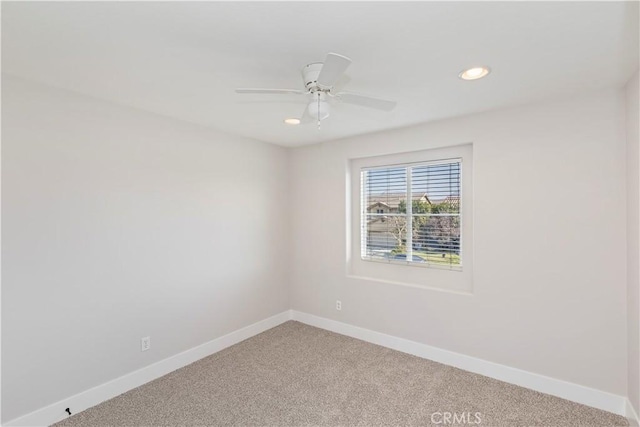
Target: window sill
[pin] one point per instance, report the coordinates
(457, 268)
(410, 285)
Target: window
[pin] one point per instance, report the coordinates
(420, 224)
(443, 225)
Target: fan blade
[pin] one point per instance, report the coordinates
(306, 117)
(269, 91)
(366, 101)
(334, 66)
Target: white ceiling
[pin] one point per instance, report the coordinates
(184, 59)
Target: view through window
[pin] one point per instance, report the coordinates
(424, 231)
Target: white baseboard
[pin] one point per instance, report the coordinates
(587, 396)
(632, 416)
(86, 399)
(566, 390)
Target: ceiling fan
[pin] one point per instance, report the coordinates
(319, 79)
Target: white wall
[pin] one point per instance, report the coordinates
(549, 291)
(118, 224)
(633, 238)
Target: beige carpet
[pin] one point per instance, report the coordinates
(296, 374)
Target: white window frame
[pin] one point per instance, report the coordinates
(409, 215)
(454, 280)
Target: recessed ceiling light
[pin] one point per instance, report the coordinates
(292, 121)
(474, 73)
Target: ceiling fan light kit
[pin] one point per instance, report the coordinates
(319, 109)
(319, 79)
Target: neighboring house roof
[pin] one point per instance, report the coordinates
(378, 203)
(392, 200)
(453, 200)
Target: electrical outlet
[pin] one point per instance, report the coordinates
(338, 305)
(145, 343)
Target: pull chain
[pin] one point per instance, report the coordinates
(318, 110)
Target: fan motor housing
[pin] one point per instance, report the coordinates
(310, 74)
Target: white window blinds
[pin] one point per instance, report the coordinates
(411, 214)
